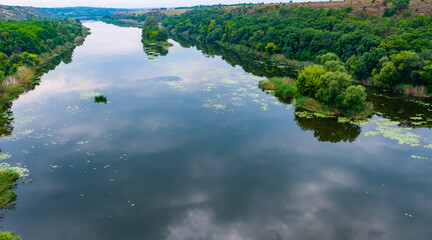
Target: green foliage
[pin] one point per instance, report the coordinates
(426, 73)
(270, 49)
(408, 66)
(354, 98)
(154, 33)
(7, 183)
(367, 62)
(9, 236)
(397, 6)
(334, 66)
(151, 31)
(22, 41)
(387, 77)
(285, 90)
(331, 87)
(21, 44)
(151, 21)
(301, 33)
(308, 80)
(322, 59)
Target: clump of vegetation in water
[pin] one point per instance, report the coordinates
(326, 89)
(8, 179)
(9, 236)
(100, 99)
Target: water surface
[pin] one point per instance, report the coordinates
(187, 147)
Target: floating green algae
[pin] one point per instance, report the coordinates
(215, 106)
(23, 172)
(5, 156)
(26, 120)
(177, 86)
(82, 142)
(230, 82)
(309, 115)
(26, 132)
(387, 129)
(84, 95)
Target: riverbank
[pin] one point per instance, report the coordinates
(27, 77)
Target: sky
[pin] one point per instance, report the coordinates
(125, 3)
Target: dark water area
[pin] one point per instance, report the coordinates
(185, 146)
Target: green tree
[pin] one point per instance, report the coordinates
(354, 98)
(334, 66)
(387, 76)
(408, 66)
(270, 48)
(332, 85)
(308, 80)
(367, 62)
(426, 73)
(151, 21)
(322, 59)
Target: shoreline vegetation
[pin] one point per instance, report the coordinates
(20, 65)
(153, 33)
(8, 178)
(154, 38)
(389, 48)
(28, 49)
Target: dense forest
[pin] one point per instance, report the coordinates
(27, 49)
(388, 50)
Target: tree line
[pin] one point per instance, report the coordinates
(21, 42)
(387, 50)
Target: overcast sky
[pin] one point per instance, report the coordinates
(125, 3)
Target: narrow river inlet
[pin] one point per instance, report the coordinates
(183, 145)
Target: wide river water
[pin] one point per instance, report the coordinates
(188, 147)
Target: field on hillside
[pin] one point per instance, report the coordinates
(366, 6)
(21, 13)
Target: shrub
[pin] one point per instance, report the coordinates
(308, 80)
(9, 236)
(332, 85)
(354, 98)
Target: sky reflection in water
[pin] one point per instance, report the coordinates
(189, 148)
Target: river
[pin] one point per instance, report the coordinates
(187, 147)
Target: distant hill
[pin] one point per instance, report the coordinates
(21, 13)
(83, 13)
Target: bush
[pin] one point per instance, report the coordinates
(9, 236)
(354, 98)
(387, 77)
(332, 85)
(308, 80)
